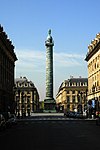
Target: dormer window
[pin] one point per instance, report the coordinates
(19, 84)
(30, 84)
(25, 84)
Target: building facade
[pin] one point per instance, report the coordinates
(72, 95)
(26, 97)
(93, 62)
(7, 66)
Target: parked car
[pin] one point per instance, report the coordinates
(2, 122)
(66, 113)
(73, 114)
(78, 115)
(70, 114)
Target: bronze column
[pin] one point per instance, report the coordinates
(49, 102)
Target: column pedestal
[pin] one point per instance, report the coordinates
(49, 105)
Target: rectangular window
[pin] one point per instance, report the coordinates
(73, 99)
(73, 92)
(67, 92)
(68, 99)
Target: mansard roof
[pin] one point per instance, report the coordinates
(73, 80)
(22, 80)
(93, 47)
(7, 43)
(77, 80)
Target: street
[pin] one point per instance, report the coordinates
(51, 133)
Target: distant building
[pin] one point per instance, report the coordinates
(26, 97)
(93, 60)
(72, 95)
(7, 66)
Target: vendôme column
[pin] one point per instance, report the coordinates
(49, 102)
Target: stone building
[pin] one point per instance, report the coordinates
(72, 95)
(7, 66)
(93, 63)
(26, 97)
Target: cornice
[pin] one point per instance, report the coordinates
(93, 47)
(7, 42)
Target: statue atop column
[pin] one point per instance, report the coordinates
(49, 39)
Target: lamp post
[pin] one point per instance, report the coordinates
(28, 109)
(22, 102)
(18, 100)
(85, 101)
(80, 98)
(86, 92)
(81, 93)
(93, 102)
(25, 104)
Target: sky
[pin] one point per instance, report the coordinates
(73, 23)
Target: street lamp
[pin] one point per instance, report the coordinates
(18, 100)
(79, 97)
(22, 102)
(28, 109)
(93, 102)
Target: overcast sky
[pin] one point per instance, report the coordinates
(74, 23)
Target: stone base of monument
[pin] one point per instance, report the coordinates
(49, 106)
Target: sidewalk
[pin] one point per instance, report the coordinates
(47, 114)
(52, 116)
